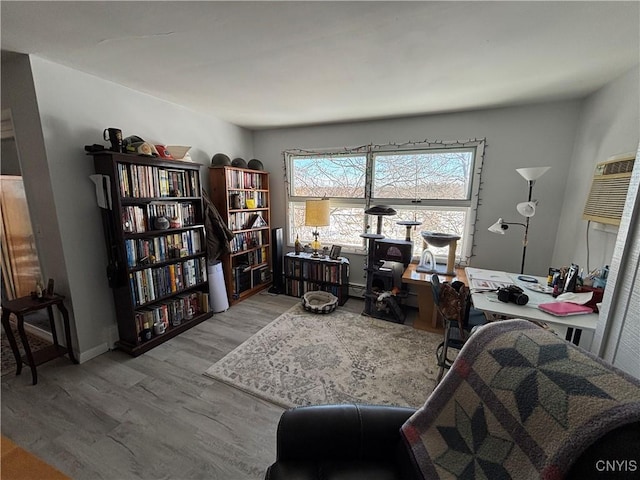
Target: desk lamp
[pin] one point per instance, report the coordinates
(526, 209)
(316, 215)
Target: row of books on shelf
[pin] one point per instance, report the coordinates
(246, 220)
(247, 240)
(317, 271)
(141, 251)
(140, 219)
(297, 288)
(144, 181)
(153, 283)
(182, 212)
(172, 312)
(246, 180)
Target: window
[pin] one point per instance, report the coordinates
(434, 184)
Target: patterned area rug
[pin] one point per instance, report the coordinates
(8, 361)
(303, 358)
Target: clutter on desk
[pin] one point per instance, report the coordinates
(580, 298)
(537, 287)
(564, 279)
(571, 280)
(528, 279)
(600, 280)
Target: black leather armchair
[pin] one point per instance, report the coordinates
(342, 441)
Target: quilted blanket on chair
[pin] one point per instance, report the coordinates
(519, 402)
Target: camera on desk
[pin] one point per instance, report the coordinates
(513, 294)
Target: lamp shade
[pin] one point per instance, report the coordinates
(531, 174)
(497, 227)
(317, 213)
(527, 209)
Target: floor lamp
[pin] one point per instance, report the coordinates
(526, 209)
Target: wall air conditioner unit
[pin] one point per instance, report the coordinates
(609, 189)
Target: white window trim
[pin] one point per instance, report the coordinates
(369, 150)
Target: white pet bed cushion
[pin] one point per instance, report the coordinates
(319, 302)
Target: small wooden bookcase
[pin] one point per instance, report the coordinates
(304, 273)
(241, 197)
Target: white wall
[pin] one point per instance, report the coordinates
(74, 109)
(609, 124)
(525, 136)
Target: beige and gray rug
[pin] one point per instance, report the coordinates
(342, 357)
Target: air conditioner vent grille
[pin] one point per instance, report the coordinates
(622, 166)
(609, 190)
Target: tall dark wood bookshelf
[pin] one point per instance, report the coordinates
(241, 197)
(154, 231)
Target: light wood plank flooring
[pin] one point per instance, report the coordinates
(155, 416)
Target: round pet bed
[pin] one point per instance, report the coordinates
(319, 302)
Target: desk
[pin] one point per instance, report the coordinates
(488, 301)
(24, 305)
(427, 314)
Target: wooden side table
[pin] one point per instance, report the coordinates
(23, 306)
(427, 314)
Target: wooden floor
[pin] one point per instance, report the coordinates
(155, 416)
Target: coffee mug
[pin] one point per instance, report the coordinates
(146, 334)
(158, 328)
(113, 135)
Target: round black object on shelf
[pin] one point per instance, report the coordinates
(220, 160)
(255, 164)
(239, 162)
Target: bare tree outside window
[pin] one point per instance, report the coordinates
(429, 185)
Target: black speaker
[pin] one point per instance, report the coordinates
(277, 252)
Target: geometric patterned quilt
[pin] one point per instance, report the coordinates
(518, 402)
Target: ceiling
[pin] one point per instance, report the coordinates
(275, 64)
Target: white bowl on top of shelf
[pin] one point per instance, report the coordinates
(178, 152)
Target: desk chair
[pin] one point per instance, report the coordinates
(459, 320)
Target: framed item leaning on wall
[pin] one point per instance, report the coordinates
(335, 252)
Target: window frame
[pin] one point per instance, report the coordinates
(469, 204)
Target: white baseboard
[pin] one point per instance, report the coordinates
(92, 353)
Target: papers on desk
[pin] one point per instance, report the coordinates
(479, 285)
(573, 297)
(485, 280)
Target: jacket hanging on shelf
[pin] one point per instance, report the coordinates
(218, 234)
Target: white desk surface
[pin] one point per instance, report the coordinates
(488, 301)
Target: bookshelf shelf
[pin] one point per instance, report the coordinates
(158, 275)
(241, 196)
(304, 273)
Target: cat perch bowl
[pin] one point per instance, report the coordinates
(428, 263)
(439, 240)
